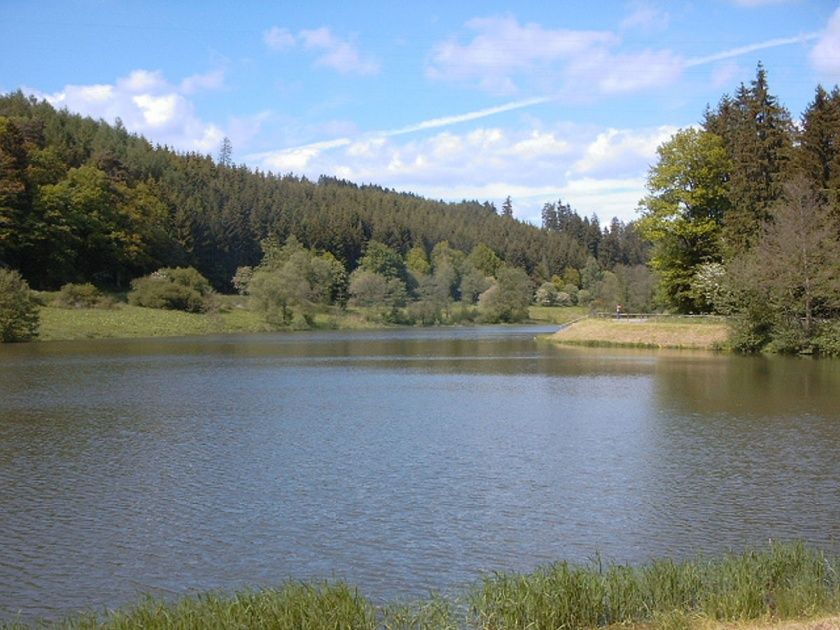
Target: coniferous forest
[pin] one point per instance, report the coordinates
(741, 219)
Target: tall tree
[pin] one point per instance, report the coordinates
(550, 220)
(507, 208)
(793, 268)
(226, 153)
(757, 133)
(818, 152)
(684, 212)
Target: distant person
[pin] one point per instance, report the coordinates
(618, 311)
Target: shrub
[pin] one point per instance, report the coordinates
(564, 299)
(18, 310)
(179, 289)
(82, 296)
(546, 295)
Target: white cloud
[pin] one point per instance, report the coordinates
(616, 74)
(141, 81)
(278, 38)
(759, 3)
(619, 152)
(596, 170)
(331, 51)
(645, 17)
(337, 53)
(157, 110)
(502, 49)
(212, 80)
(502, 56)
(147, 104)
(825, 55)
(539, 144)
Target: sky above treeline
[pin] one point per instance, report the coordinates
(450, 100)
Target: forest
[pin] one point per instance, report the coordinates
(741, 219)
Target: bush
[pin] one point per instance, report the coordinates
(82, 296)
(179, 289)
(18, 310)
(827, 340)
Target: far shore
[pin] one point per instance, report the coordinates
(124, 321)
(654, 332)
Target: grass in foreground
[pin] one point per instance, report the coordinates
(782, 581)
(699, 334)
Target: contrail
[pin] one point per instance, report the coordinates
(743, 50)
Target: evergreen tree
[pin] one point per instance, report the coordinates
(225, 153)
(507, 208)
(549, 217)
(757, 133)
(818, 152)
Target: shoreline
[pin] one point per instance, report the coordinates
(649, 333)
(782, 586)
(133, 322)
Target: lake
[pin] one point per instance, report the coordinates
(403, 461)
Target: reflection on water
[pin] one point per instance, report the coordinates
(403, 461)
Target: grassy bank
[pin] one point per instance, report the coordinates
(754, 588)
(556, 314)
(124, 321)
(665, 332)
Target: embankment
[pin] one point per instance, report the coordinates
(666, 332)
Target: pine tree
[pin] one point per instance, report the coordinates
(225, 153)
(549, 218)
(507, 208)
(818, 153)
(757, 133)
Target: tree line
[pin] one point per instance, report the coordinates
(85, 201)
(744, 216)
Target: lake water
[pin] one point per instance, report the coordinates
(403, 461)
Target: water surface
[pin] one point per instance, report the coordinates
(403, 461)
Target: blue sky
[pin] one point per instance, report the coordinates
(451, 100)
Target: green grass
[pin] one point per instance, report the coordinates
(556, 314)
(136, 321)
(780, 581)
(125, 321)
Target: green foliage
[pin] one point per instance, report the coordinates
(179, 289)
(507, 300)
(591, 274)
(473, 283)
(417, 262)
(783, 581)
(826, 341)
(780, 581)
(757, 135)
(546, 295)
(82, 296)
(384, 294)
(788, 281)
(684, 213)
(242, 278)
(485, 260)
(381, 259)
(818, 155)
(82, 201)
(291, 282)
(18, 309)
